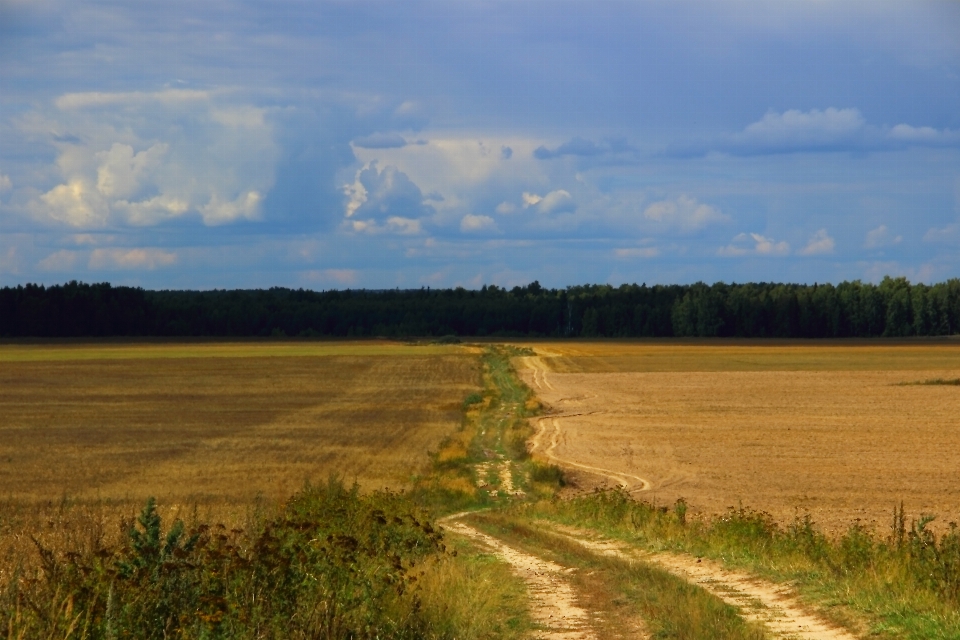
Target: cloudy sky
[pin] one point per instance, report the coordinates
(405, 144)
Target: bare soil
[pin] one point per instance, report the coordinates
(832, 432)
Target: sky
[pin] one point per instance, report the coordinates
(333, 145)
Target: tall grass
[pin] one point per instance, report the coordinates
(333, 564)
(902, 584)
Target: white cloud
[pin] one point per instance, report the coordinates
(62, 260)
(684, 213)
(558, 201)
(806, 126)
(880, 237)
(218, 211)
(819, 243)
(762, 246)
(386, 201)
(403, 226)
(5, 183)
(530, 199)
(124, 259)
(506, 208)
(949, 234)
(471, 223)
(139, 158)
(75, 203)
(149, 212)
(637, 252)
(121, 170)
(924, 135)
(71, 101)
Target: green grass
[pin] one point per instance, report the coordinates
(669, 606)
(906, 585)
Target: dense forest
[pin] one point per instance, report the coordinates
(895, 307)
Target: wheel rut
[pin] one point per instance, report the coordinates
(773, 605)
(554, 604)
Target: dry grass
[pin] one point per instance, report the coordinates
(821, 428)
(214, 423)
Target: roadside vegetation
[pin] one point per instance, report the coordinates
(905, 584)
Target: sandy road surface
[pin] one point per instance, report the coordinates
(775, 606)
(553, 601)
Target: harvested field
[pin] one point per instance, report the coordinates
(212, 423)
(827, 429)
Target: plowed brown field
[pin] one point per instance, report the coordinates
(824, 428)
(221, 423)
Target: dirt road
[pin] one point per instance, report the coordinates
(553, 602)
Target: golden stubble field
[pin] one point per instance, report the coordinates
(820, 428)
(218, 424)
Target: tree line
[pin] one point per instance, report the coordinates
(893, 308)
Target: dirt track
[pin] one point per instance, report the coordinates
(775, 606)
(554, 604)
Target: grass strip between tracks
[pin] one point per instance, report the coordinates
(902, 586)
(669, 607)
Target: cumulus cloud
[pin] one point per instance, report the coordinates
(162, 155)
(380, 193)
(75, 203)
(381, 141)
(683, 213)
(754, 244)
(880, 237)
(471, 223)
(506, 208)
(385, 200)
(558, 201)
(819, 243)
(5, 183)
(403, 226)
(130, 259)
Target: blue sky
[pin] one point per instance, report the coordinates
(406, 144)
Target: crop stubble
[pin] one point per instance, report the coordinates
(219, 424)
(820, 428)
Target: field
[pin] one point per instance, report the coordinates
(217, 423)
(836, 430)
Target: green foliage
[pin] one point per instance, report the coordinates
(549, 474)
(334, 564)
(894, 308)
(907, 584)
(472, 399)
